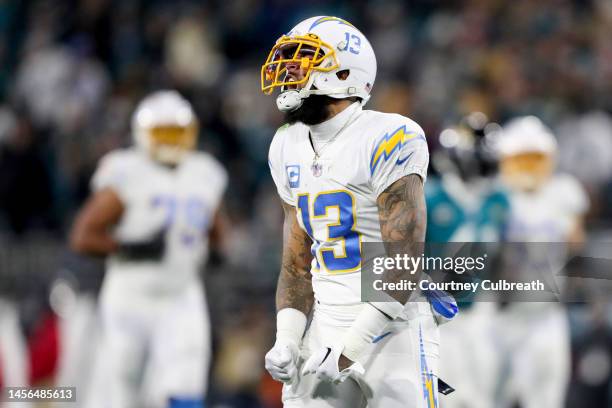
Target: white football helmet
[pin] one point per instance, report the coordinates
(335, 46)
(527, 150)
(165, 126)
(526, 134)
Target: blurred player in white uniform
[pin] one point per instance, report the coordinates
(466, 203)
(346, 176)
(533, 337)
(152, 212)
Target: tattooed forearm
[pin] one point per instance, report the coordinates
(403, 220)
(294, 283)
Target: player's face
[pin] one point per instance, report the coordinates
(172, 135)
(293, 59)
(169, 143)
(527, 171)
(297, 66)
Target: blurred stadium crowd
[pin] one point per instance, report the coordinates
(71, 73)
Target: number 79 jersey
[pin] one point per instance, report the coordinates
(182, 201)
(335, 202)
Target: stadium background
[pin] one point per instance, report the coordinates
(72, 71)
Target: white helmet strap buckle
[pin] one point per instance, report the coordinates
(289, 100)
(292, 99)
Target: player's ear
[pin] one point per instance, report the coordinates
(342, 75)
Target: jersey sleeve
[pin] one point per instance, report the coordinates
(219, 179)
(112, 172)
(279, 173)
(574, 197)
(400, 151)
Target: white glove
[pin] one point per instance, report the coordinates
(324, 363)
(281, 361)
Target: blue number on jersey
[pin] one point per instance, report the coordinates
(342, 230)
(194, 210)
(304, 208)
(170, 205)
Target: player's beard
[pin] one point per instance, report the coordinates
(314, 110)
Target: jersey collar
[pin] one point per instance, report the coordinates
(326, 130)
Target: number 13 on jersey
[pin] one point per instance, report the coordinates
(340, 231)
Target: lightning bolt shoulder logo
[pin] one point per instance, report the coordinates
(391, 142)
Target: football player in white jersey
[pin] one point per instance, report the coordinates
(532, 338)
(154, 208)
(346, 176)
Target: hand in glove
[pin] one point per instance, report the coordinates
(324, 363)
(281, 361)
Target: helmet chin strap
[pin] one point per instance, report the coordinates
(289, 100)
(292, 99)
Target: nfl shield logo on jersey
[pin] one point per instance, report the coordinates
(293, 175)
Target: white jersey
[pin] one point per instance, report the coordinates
(544, 219)
(183, 200)
(548, 214)
(336, 201)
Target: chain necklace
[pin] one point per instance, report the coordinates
(317, 167)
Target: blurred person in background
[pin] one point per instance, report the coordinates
(532, 338)
(592, 354)
(154, 209)
(74, 298)
(14, 365)
(467, 203)
(25, 185)
(594, 142)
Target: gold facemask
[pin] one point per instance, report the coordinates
(527, 171)
(274, 70)
(176, 136)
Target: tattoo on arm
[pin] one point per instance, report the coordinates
(403, 221)
(294, 283)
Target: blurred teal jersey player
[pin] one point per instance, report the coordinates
(466, 203)
(458, 214)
